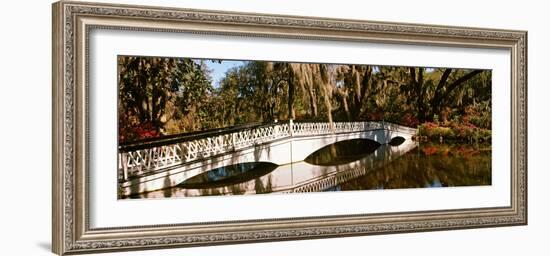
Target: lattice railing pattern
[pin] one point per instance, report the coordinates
(336, 127)
(143, 161)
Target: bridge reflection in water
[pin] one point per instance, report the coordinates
(260, 178)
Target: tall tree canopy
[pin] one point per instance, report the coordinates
(155, 93)
(177, 95)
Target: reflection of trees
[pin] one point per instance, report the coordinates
(452, 166)
(342, 152)
(239, 188)
(169, 95)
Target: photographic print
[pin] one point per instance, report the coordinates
(200, 127)
(164, 119)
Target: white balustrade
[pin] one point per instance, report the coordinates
(142, 161)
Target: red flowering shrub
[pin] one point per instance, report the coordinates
(454, 131)
(143, 131)
(409, 120)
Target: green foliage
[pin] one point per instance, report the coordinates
(176, 95)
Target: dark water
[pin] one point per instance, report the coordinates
(348, 165)
(430, 165)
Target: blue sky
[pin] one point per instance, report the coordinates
(219, 69)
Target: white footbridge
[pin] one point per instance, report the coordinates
(163, 163)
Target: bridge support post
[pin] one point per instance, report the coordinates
(234, 140)
(290, 128)
(124, 161)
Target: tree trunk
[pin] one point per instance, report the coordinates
(421, 92)
(291, 90)
(366, 83)
(344, 97)
(436, 100)
(328, 105)
(312, 100)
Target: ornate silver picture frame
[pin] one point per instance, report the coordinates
(73, 203)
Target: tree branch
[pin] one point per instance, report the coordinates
(459, 81)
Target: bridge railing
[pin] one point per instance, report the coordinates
(139, 160)
(153, 155)
(336, 127)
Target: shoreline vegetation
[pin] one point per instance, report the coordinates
(452, 132)
(474, 126)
